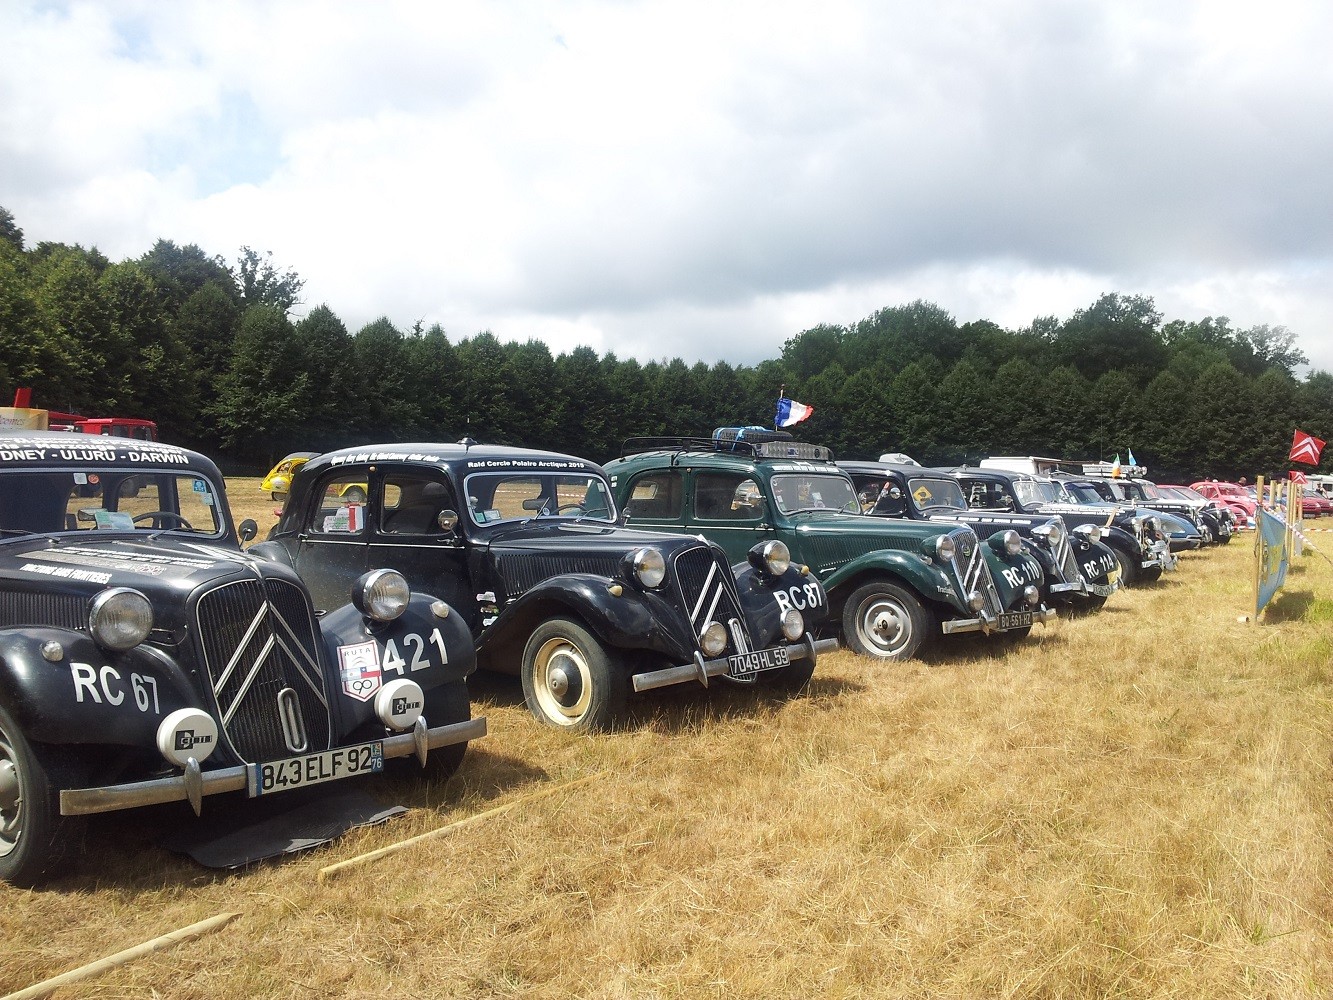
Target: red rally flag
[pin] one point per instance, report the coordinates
(1297, 477)
(1306, 448)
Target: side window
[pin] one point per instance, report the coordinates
(342, 506)
(727, 496)
(657, 495)
(412, 503)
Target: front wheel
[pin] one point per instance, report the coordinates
(887, 621)
(34, 837)
(570, 680)
(1128, 571)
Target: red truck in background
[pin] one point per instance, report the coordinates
(22, 416)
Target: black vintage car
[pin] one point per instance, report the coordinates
(1135, 537)
(144, 658)
(1079, 570)
(526, 545)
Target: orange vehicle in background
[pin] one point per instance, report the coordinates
(23, 416)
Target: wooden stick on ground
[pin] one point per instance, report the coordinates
(168, 940)
(329, 871)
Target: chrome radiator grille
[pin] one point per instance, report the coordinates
(259, 639)
(970, 567)
(1065, 561)
(708, 592)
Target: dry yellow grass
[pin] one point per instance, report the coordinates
(1130, 804)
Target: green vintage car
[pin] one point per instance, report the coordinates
(894, 586)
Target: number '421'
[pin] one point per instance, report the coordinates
(415, 647)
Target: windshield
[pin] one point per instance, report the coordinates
(1083, 493)
(493, 497)
(815, 492)
(50, 501)
(936, 493)
(1030, 491)
(1149, 491)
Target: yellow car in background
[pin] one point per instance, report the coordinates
(279, 479)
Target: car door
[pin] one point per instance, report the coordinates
(729, 508)
(416, 529)
(330, 551)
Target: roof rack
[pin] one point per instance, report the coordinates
(758, 442)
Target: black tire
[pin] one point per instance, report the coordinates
(1150, 575)
(1016, 634)
(886, 621)
(570, 680)
(445, 706)
(1225, 539)
(1094, 602)
(1128, 570)
(34, 837)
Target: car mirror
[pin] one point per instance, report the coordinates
(85, 515)
(247, 529)
(534, 503)
(447, 520)
(895, 494)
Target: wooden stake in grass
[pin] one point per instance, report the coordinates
(48, 986)
(329, 871)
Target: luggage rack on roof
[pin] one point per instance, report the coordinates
(758, 442)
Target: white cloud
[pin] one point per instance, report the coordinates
(703, 180)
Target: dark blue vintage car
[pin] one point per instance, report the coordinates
(145, 658)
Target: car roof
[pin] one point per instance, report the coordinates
(898, 467)
(459, 456)
(62, 449)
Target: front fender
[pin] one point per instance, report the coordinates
(766, 598)
(1096, 562)
(634, 619)
(432, 648)
(919, 572)
(1012, 575)
(90, 696)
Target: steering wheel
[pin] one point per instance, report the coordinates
(162, 516)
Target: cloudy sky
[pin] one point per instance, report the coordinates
(701, 180)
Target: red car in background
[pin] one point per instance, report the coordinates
(1312, 497)
(1235, 496)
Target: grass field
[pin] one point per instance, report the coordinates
(1132, 804)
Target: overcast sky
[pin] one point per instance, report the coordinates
(701, 180)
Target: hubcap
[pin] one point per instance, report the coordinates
(886, 627)
(562, 682)
(11, 799)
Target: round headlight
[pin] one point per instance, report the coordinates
(1007, 541)
(714, 639)
(1045, 532)
(1091, 532)
(793, 624)
(649, 566)
(976, 601)
(944, 548)
(772, 557)
(381, 594)
(1031, 594)
(120, 619)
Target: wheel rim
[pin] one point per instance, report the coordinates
(11, 797)
(884, 625)
(562, 681)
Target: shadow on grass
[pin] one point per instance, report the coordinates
(1289, 606)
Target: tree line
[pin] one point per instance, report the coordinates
(212, 352)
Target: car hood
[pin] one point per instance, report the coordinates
(164, 568)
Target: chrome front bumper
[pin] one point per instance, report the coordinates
(195, 783)
(987, 624)
(702, 670)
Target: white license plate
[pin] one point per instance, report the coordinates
(313, 768)
(761, 659)
(1014, 619)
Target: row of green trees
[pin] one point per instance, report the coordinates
(211, 352)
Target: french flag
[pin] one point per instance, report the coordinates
(791, 412)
